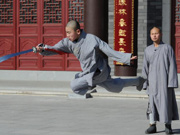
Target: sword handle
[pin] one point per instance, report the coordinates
(52, 50)
(34, 49)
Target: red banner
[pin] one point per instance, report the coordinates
(124, 26)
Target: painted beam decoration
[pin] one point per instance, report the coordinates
(124, 27)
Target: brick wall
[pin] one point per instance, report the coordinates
(142, 32)
(149, 15)
(111, 32)
(154, 16)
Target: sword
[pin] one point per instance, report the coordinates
(6, 57)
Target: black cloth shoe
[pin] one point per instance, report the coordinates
(152, 129)
(168, 129)
(141, 82)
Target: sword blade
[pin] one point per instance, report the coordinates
(6, 57)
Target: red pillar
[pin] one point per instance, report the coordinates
(125, 34)
(96, 18)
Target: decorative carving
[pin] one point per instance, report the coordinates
(6, 11)
(27, 44)
(52, 11)
(5, 46)
(28, 11)
(76, 10)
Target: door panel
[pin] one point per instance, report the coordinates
(26, 23)
(53, 23)
(177, 34)
(75, 11)
(28, 32)
(7, 33)
(177, 41)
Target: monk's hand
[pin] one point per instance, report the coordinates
(40, 47)
(133, 58)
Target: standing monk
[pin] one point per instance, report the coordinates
(160, 69)
(92, 54)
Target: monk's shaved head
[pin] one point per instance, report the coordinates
(156, 28)
(73, 30)
(73, 24)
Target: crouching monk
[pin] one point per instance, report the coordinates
(92, 54)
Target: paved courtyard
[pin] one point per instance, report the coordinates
(58, 115)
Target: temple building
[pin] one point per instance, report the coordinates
(124, 24)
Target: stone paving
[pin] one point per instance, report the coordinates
(25, 114)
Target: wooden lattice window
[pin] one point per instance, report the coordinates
(52, 11)
(76, 10)
(6, 11)
(28, 11)
(177, 10)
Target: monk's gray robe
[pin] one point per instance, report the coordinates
(159, 67)
(92, 54)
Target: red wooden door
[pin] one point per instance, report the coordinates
(177, 47)
(52, 31)
(7, 32)
(177, 32)
(28, 33)
(38, 21)
(74, 11)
